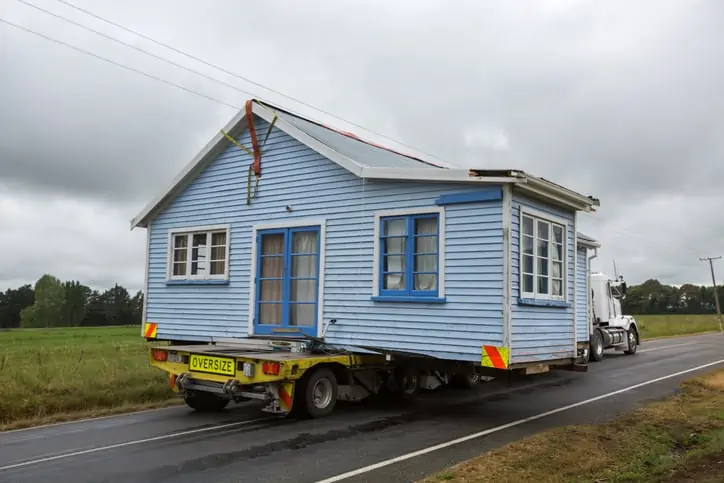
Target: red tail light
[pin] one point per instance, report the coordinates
(270, 368)
(160, 355)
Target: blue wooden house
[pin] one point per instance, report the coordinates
(284, 227)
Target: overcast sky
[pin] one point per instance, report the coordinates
(622, 100)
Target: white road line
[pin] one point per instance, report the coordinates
(84, 420)
(437, 447)
(129, 443)
(668, 347)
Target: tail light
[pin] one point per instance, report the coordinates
(270, 368)
(160, 355)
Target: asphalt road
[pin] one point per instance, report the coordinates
(364, 442)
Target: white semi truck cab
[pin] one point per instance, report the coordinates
(609, 327)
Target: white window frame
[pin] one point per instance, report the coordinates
(440, 211)
(190, 232)
(538, 215)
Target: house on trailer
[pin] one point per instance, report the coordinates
(284, 227)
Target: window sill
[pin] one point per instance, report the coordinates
(544, 303)
(405, 298)
(198, 282)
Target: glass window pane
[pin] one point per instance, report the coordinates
(270, 314)
(304, 242)
(218, 268)
(543, 233)
(528, 283)
(426, 226)
(394, 245)
(272, 244)
(394, 263)
(557, 269)
(304, 291)
(557, 287)
(270, 290)
(542, 285)
(425, 263)
(558, 233)
(427, 281)
(181, 241)
(542, 266)
(304, 266)
(218, 253)
(199, 240)
(394, 227)
(179, 255)
(528, 263)
(198, 268)
(394, 281)
(528, 225)
(557, 251)
(528, 245)
(271, 267)
(543, 248)
(301, 314)
(218, 238)
(426, 244)
(179, 269)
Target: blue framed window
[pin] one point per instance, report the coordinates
(409, 256)
(287, 280)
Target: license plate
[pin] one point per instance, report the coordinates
(212, 365)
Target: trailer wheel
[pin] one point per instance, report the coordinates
(596, 346)
(466, 379)
(403, 383)
(319, 391)
(205, 402)
(633, 341)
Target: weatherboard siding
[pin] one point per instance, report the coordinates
(582, 295)
(541, 333)
(315, 188)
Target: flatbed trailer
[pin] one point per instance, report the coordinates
(295, 376)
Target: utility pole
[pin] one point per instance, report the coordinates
(716, 293)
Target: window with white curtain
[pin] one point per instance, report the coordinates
(199, 254)
(542, 259)
(409, 255)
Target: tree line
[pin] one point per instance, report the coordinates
(52, 303)
(653, 297)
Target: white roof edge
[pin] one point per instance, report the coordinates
(559, 194)
(432, 174)
(235, 124)
(581, 242)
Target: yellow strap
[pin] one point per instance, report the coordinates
(237, 143)
(271, 126)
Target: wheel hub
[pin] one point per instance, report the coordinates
(322, 393)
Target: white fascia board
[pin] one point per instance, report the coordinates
(433, 174)
(268, 115)
(233, 127)
(559, 194)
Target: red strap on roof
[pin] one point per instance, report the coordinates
(254, 141)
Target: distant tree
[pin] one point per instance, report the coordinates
(47, 310)
(95, 312)
(12, 302)
(118, 305)
(137, 309)
(76, 301)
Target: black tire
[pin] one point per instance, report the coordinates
(318, 393)
(466, 379)
(633, 341)
(596, 352)
(205, 402)
(404, 383)
(586, 356)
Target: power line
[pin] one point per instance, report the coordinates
(716, 292)
(245, 79)
(131, 46)
(117, 64)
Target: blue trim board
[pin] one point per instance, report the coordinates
(414, 299)
(544, 303)
(490, 193)
(197, 282)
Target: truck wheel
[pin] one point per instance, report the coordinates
(596, 346)
(320, 392)
(633, 341)
(205, 402)
(404, 383)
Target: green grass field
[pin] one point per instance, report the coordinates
(57, 374)
(53, 374)
(653, 326)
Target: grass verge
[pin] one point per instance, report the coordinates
(678, 439)
(50, 375)
(659, 326)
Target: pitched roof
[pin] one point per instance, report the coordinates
(584, 240)
(361, 157)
